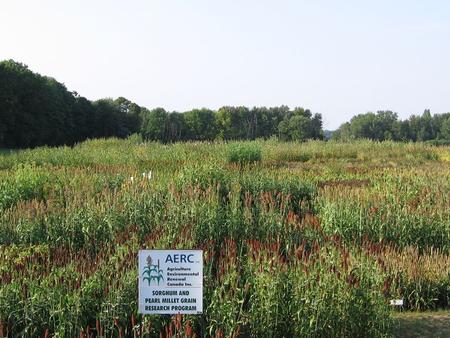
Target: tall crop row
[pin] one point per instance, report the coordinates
(311, 240)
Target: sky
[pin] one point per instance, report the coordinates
(337, 58)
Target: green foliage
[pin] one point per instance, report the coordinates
(270, 313)
(332, 298)
(384, 125)
(153, 127)
(300, 125)
(37, 110)
(200, 124)
(28, 183)
(313, 240)
(241, 153)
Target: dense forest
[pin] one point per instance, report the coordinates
(37, 110)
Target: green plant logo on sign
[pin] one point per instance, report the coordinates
(152, 272)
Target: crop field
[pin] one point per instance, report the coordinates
(300, 239)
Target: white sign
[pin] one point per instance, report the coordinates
(396, 302)
(170, 281)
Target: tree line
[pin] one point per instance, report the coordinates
(385, 125)
(37, 110)
(232, 123)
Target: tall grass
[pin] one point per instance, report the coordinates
(300, 239)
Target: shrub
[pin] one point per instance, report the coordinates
(243, 153)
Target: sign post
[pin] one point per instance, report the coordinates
(170, 281)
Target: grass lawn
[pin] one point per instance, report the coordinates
(423, 324)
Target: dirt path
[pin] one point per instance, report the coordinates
(423, 324)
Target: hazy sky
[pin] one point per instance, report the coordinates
(338, 58)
